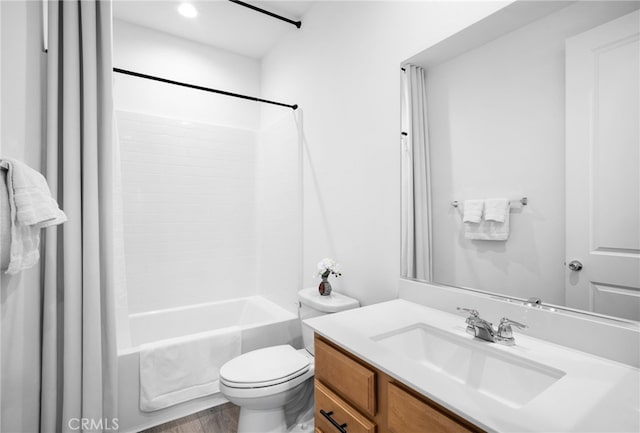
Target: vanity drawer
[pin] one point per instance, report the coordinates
(328, 404)
(347, 377)
(409, 414)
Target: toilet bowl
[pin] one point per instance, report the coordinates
(267, 381)
(263, 382)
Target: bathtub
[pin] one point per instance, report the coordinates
(262, 324)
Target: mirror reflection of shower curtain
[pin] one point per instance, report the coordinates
(416, 182)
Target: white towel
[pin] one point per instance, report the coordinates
(488, 230)
(472, 211)
(496, 209)
(5, 221)
(180, 369)
(32, 208)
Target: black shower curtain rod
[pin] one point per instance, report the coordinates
(206, 89)
(271, 14)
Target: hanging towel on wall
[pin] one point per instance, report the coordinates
(5, 221)
(180, 369)
(496, 209)
(472, 211)
(489, 230)
(31, 208)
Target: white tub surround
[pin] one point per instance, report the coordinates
(261, 323)
(584, 392)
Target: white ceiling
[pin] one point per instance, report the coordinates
(219, 23)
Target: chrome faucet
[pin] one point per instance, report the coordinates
(482, 329)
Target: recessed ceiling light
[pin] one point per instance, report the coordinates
(187, 10)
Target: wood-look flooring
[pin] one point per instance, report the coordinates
(219, 419)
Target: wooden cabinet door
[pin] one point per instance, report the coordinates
(333, 415)
(408, 414)
(347, 377)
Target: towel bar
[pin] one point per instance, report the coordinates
(523, 201)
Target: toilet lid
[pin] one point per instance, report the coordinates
(264, 367)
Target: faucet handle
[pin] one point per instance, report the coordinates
(474, 316)
(505, 331)
(508, 321)
(472, 313)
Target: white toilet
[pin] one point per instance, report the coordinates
(264, 381)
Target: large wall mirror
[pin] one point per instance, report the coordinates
(535, 108)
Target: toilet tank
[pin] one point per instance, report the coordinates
(312, 304)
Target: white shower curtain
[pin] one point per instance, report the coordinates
(416, 182)
(79, 363)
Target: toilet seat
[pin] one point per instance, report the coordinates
(265, 367)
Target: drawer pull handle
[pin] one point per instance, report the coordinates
(341, 428)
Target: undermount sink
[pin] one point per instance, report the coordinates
(508, 379)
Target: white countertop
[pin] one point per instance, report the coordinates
(595, 394)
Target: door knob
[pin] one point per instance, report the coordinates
(575, 265)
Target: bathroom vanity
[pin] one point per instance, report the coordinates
(403, 367)
(351, 393)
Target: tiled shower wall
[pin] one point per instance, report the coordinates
(189, 211)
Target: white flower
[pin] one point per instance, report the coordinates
(325, 264)
(328, 265)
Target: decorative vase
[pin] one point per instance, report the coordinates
(325, 287)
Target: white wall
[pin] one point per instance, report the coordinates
(279, 216)
(189, 211)
(188, 162)
(21, 93)
(343, 68)
(147, 51)
(496, 119)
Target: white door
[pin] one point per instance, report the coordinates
(603, 168)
